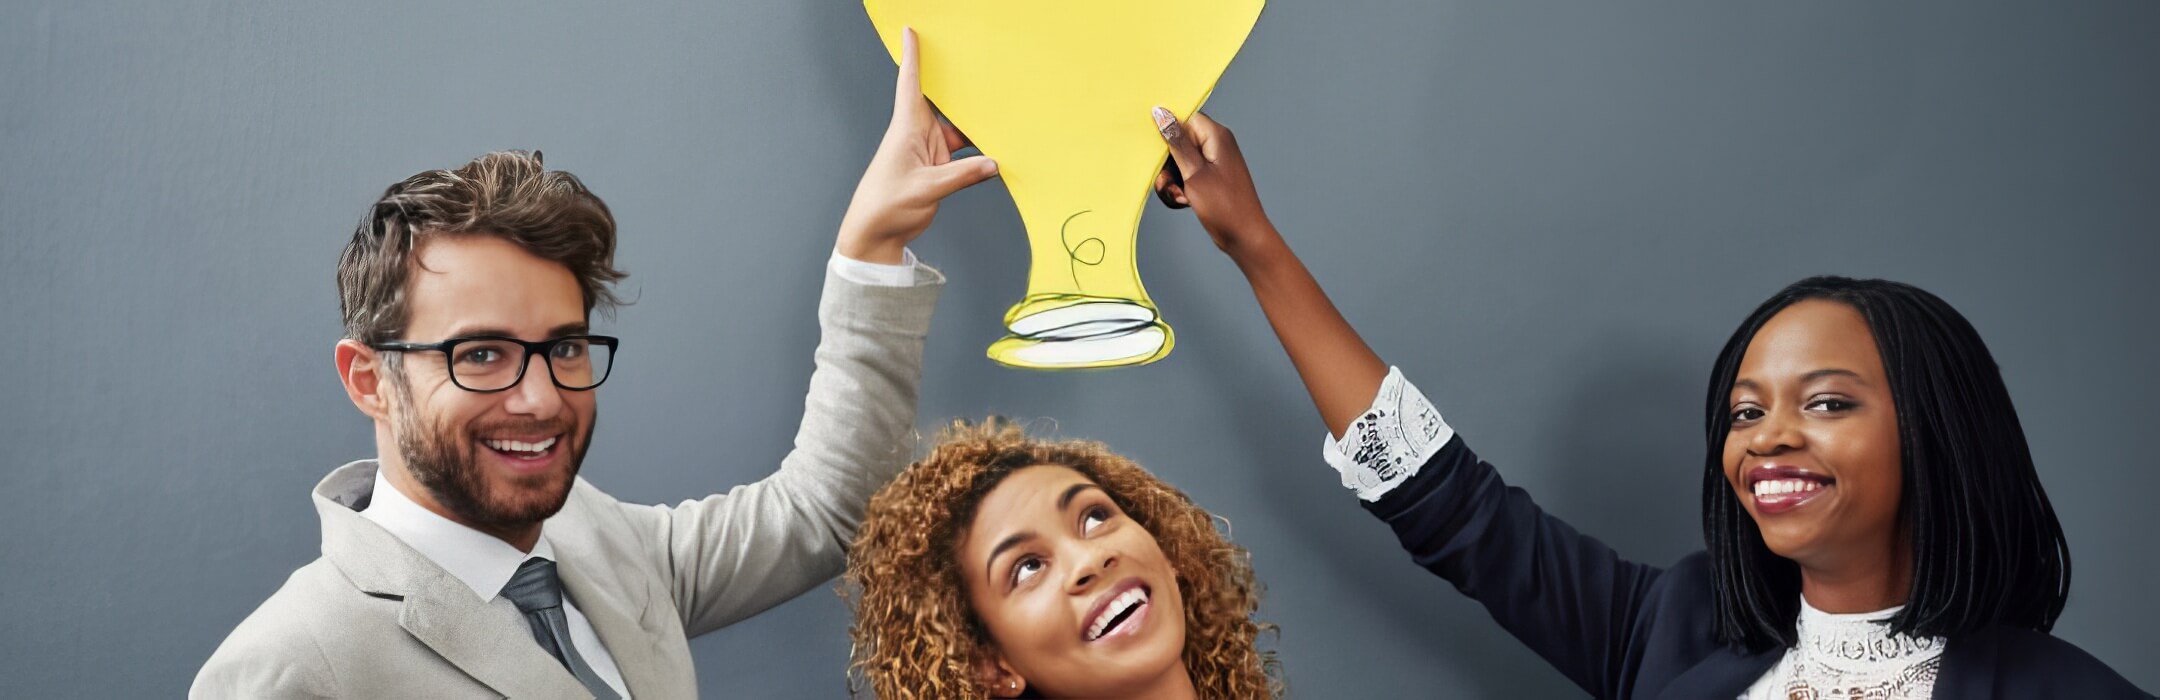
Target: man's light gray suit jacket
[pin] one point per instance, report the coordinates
(374, 618)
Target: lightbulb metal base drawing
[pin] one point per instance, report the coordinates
(1085, 306)
(1059, 92)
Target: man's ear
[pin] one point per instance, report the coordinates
(360, 369)
(998, 676)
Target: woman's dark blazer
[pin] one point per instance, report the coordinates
(1621, 629)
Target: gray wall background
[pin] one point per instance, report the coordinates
(1550, 213)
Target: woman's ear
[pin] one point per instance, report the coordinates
(999, 676)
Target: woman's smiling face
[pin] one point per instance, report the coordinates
(1813, 451)
(1078, 598)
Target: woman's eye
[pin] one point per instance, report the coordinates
(569, 350)
(1025, 569)
(1832, 405)
(1095, 516)
(1746, 414)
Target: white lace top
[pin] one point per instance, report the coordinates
(1851, 657)
(1839, 657)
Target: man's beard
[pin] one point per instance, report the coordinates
(446, 462)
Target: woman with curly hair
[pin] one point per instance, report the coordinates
(1004, 566)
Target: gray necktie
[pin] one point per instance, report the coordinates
(538, 593)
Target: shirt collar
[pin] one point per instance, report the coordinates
(480, 560)
(1809, 614)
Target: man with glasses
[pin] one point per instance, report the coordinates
(469, 560)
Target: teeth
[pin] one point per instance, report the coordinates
(1778, 487)
(1124, 601)
(518, 446)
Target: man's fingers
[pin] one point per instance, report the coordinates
(907, 90)
(1183, 151)
(954, 140)
(959, 175)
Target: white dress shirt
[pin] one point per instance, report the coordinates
(483, 563)
(876, 274)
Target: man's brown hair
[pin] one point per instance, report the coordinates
(506, 194)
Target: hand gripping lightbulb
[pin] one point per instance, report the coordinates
(1059, 92)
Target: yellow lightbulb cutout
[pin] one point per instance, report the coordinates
(1058, 93)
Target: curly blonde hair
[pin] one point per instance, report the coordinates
(916, 636)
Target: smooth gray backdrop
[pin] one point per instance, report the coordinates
(1550, 213)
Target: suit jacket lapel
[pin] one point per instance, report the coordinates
(1967, 662)
(1725, 673)
(618, 622)
(487, 642)
(620, 610)
(473, 636)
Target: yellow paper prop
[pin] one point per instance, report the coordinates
(1058, 92)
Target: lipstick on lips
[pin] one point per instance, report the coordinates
(1779, 488)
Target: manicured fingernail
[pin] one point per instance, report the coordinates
(1166, 123)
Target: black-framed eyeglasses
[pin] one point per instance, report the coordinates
(491, 363)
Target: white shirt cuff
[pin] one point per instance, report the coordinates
(1390, 442)
(875, 274)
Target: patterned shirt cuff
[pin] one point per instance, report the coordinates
(876, 274)
(1390, 442)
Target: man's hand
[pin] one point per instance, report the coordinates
(1207, 173)
(912, 171)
